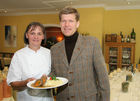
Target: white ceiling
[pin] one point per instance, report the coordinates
(18, 7)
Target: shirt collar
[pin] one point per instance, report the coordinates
(32, 51)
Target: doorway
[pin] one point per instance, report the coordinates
(53, 35)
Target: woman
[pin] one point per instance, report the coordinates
(30, 63)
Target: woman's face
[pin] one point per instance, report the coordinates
(68, 24)
(35, 37)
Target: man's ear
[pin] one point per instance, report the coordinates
(78, 23)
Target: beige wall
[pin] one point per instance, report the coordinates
(91, 21)
(95, 21)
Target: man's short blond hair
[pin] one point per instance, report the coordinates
(69, 10)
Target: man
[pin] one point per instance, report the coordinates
(79, 59)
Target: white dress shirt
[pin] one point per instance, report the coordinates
(27, 63)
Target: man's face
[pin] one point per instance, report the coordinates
(68, 24)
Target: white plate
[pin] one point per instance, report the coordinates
(65, 81)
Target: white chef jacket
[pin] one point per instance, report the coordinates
(27, 63)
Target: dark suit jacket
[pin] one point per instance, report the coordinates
(87, 73)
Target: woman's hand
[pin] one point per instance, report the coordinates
(29, 79)
(21, 85)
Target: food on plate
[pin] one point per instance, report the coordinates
(37, 83)
(40, 82)
(44, 78)
(52, 82)
(45, 81)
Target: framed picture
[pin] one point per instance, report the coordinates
(10, 36)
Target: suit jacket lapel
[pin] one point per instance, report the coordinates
(63, 53)
(78, 48)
